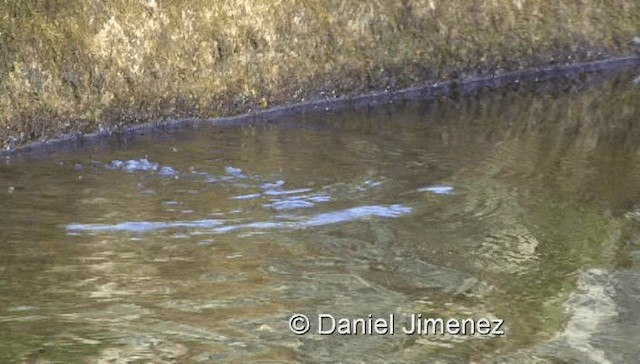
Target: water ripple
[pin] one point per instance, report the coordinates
(219, 226)
(142, 226)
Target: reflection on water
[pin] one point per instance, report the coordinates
(198, 246)
(218, 226)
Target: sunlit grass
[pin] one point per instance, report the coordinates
(68, 66)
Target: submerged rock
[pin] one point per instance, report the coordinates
(602, 327)
(416, 277)
(511, 250)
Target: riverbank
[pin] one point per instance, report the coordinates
(74, 69)
(542, 77)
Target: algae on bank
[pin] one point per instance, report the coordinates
(68, 67)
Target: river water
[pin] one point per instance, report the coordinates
(199, 245)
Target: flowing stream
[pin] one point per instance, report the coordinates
(199, 245)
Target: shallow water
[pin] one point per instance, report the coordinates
(199, 245)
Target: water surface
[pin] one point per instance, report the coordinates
(197, 246)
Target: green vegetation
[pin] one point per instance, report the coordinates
(79, 66)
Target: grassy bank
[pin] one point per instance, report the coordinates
(68, 67)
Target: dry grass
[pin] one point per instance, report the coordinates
(76, 66)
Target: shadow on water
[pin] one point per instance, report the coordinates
(198, 245)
